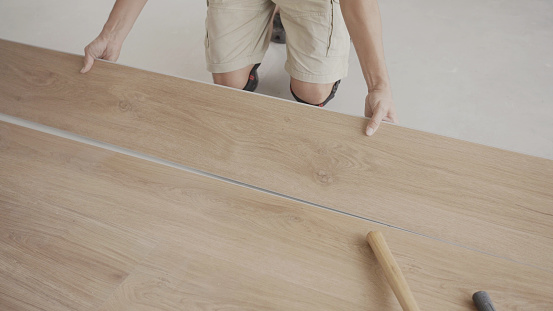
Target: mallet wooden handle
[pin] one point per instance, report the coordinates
(392, 271)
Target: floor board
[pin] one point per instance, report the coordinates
(54, 258)
(210, 244)
(480, 197)
(452, 81)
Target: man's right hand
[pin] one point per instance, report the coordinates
(108, 44)
(102, 48)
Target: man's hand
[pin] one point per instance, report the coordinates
(108, 44)
(103, 48)
(379, 106)
(362, 18)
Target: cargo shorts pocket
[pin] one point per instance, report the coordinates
(338, 41)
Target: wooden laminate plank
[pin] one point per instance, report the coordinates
(480, 197)
(55, 259)
(51, 257)
(223, 246)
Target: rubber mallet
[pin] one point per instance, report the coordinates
(392, 271)
(482, 301)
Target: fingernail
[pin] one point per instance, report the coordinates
(82, 70)
(370, 131)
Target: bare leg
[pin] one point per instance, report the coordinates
(236, 79)
(312, 93)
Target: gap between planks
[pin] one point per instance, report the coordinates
(78, 138)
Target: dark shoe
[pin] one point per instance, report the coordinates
(278, 35)
(253, 79)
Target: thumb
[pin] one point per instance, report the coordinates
(88, 62)
(374, 123)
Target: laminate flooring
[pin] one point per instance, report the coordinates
(86, 228)
(482, 198)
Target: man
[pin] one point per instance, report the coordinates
(238, 34)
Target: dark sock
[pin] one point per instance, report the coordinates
(279, 34)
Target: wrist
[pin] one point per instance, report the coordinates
(112, 33)
(377, 80)
(116, 28)
(380, 87)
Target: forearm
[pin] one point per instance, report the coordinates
(362, 19)
(121, 19)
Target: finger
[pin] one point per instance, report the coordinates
(393, 116)
(88, 62)
(374, 123)
(392, 119)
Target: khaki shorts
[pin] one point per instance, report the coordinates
(317, 41)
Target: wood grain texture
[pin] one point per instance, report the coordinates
(52, 257)
(55, 259)
(219, 246)
(392, 271)
(480, 197)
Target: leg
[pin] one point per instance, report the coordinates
(311, 93)
(237, 36)
(317, 45)
(236, 79)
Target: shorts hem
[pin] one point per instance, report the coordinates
(235, 65)
(314, 78)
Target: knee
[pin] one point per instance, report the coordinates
(311, 93)
(236, 79)
(225, 79)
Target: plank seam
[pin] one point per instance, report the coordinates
(89, 141)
